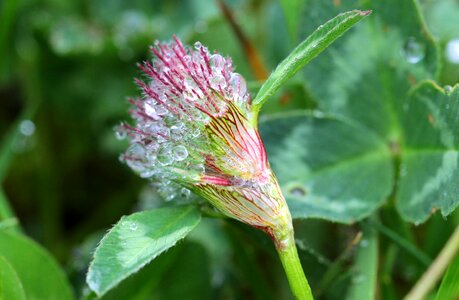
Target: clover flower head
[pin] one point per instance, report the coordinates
(194, 128)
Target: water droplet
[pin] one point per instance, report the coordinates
(136, 151)
(358, 279)
(364, 243)
(452, 51)
(133, 226)
(191, 92)
(239, 86)
(217, 82)
(120, 132)
(185, 192)
(180, 153)
(195, 133)
(318, 114)
(413, 51)
(165, 156)
(448, 89)
(197, 45)
(161, 110)
(298, 191)
(27, 127)
(147, 173)
(149, 109)
(217, 62)
(199, 168)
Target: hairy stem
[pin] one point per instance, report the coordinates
(288, 254)
(436, 269)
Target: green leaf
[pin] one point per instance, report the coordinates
(136, 240)
(318, 41)
(321, 164)
(145, 283)
(10, 284)
(189, 277)
(449, 288)
(429, 172)
(365, 76)
(40, 275)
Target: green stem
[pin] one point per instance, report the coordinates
(364, 282)
(436, 269)
(290, 261)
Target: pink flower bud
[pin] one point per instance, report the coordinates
(194, 128)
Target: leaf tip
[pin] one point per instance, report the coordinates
(365, 12)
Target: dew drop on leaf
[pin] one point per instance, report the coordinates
(413, 51)
(452, 51)
(27, 127)
(298, 191)
(358, 279)
(133, 226)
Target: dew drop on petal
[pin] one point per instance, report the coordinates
(161, 110)
(149, 109)
(197, 45)
(136, 151)
(147, 173)
(179, 153)
(413, 51)
(195, 133)
(238, 85)
(185, 192)
(217, 82)
(165, 156)
(217, 62)
(176, 132)
(200, 168)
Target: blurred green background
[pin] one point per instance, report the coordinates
(66, 68)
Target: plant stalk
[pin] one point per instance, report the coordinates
(430, 278)
(288, 254)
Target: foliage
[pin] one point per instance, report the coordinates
(363, 140)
